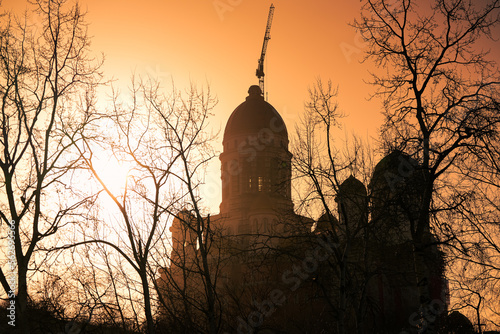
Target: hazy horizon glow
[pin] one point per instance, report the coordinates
(218, 43)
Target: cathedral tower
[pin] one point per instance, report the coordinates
(255, 163)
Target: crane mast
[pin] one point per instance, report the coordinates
(267, 37)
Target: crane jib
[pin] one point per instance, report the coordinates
(267, 37)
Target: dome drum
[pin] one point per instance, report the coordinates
(255, 160)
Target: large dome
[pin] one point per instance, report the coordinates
(253, 116)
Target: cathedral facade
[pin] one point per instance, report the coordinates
(268, 270)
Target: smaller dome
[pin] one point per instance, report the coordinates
(352, 186)
(393, 160)
(325, 222)
(393, 167)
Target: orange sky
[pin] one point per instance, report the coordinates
(219, 42)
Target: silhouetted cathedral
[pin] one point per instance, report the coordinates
(278, 272)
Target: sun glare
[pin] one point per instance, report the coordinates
(112, 172)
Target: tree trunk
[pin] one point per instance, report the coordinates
(147, 302)
(22, 324)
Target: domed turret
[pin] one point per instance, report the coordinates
(352, 202)
(326, 222)
(396, 189)
(256, 163)
(392, 169)
(352, 187)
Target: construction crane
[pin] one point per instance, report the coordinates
(267, 37)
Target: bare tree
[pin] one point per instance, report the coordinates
(163, 140)
(45, 70)
(323, 172)
(440, 94)
(190, 302)
(479, 217)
